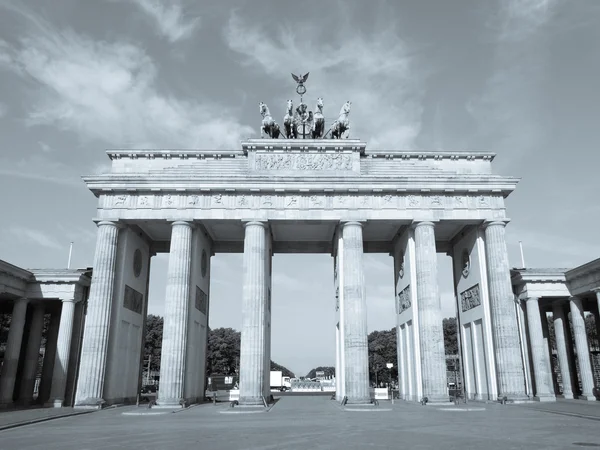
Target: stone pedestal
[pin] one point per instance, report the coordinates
(92, 366)
(12, 352)
(355, 316)
(63, 350)
(174, 343)
(583, 351)
(563, 349)
(254, 304)
(431, 333)
(539, 352)
(509, 365)
(32, 355)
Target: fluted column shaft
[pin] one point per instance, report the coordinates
(355, 315)
(174, 343)
(254, 304)
(583, 350)
(509, 365)
(564, 354)
(92, 367)
(597, 292)
(431, 333)
(8, 375)
(539, 351)
(63, 352)
(49, 357)
(32, 355)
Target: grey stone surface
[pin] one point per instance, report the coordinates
(507, 348)
(583, 350)
(10, 363)
(355, 316)
(174, 343)
(254, 303)
(63, 350)
(539, 351)
(431, 334)
(563, 350)
(316, 423)
(97, 324)
(32, 355)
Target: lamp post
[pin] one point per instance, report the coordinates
(389, 366)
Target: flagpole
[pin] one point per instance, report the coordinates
(522, 257)
(70, 254)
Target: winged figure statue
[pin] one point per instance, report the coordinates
(300, 79)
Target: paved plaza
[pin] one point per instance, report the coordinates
(319, 423)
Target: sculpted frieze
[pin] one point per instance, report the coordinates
(303, 161)
(404, 301)
(308, 200)
(470, 298)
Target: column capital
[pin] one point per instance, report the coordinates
(188, 223)
(417, 224)
(260, 223)
(68, 300)
(490, 223)
(359, 223)
(595, 290)
(530, 299)
(114, 223)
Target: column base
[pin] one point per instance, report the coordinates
(566, 396)
(90, 403)
(359, 401)
(251, 401)
(436, 399)
(172, 403)
(587, 397)
(544, 398)
(56, 403)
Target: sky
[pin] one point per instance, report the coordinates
(519, 78)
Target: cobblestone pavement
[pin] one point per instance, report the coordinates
(314, 423)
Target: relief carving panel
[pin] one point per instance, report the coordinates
(470, 298)
(304, 161)
(404, 301)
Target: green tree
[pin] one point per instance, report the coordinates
(153, 342)
(329, 371)
(284, 370)
(382, 350)
(450, 336)
(223, 355)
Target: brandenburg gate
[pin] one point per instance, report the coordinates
(299, 196)
(311, 191)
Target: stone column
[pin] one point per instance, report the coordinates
(355, 316)
(174, 342)
(597, 293)
(61, 361)
(431, 333)
(254, 304)
(509, 364)
(539, 352)
(8, 375)
(49, 356)
(92, 366)
(32, 355)
(564, 353)
(583, 351)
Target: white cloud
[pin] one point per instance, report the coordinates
(45, 147)
(508, 111)
(39, 167)
(376, 71)
(520, 19)
(106, 91)
(169, 17)
(36, 237)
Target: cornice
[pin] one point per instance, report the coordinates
(15, 271)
